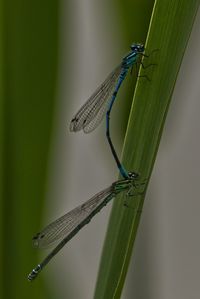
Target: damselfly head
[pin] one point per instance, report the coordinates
(133, 175)
(137, 48)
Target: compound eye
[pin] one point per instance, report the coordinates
(133, 175)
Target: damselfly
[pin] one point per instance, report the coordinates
(92, 112)
(67, 226)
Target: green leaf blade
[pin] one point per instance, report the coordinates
(170, 28)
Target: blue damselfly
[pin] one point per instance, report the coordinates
(100, 103)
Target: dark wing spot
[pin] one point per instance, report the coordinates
(36, 236)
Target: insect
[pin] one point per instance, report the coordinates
(67, 226)
(101, 101)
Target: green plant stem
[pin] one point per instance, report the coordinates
(169, 31)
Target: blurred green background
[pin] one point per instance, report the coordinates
(29, 66)
(53, 55)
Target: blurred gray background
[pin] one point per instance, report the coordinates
(168, 242)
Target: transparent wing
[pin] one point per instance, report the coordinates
(93, 124)
(94, 108)
(64, 225)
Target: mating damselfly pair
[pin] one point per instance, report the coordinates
(87, 119)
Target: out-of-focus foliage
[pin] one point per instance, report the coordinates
(28, 65)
